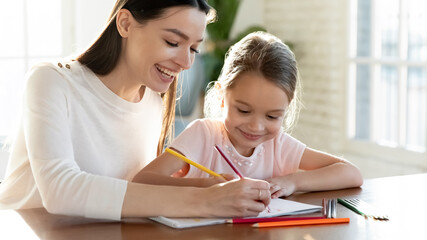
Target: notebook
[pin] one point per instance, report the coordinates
(277, 207)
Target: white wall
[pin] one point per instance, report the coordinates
(318, 30)
(250, 13)
(90, 19)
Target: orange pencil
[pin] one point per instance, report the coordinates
(301, 222)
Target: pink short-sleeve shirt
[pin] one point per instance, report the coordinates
(276, 157)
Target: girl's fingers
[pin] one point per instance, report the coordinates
(263, 196)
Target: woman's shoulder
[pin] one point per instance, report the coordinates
(53, 74)
(46, 70)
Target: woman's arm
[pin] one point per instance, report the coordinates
(230, 199)
(160, 171)
(321, 172)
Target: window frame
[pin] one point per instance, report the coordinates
(371, 147)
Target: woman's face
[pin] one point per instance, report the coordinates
(156, 51)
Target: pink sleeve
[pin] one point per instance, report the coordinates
(289, 153)
(193, 142)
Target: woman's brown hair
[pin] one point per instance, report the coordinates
(104, 53)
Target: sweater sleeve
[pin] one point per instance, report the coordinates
(63, 187)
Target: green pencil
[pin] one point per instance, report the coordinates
(351, 207)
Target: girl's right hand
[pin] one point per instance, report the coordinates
(236, 198)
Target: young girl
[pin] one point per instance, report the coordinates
(256, 94)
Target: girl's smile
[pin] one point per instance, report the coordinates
(254, 110)
(251, 137)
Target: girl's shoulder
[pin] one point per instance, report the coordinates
(206, 122)
(284, 138)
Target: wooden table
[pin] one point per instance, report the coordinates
(404, 198)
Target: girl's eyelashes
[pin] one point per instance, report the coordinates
(242, 111)
(176, 45)
(272, 117)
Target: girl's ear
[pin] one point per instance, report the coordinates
(123, 22)
(220, 91)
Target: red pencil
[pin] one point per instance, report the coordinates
(301, 222)
(228, 161)
(269, 219)
(232, 165)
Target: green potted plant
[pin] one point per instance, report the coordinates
(218, 40)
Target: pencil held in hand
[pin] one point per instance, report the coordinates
(228, 161)
(199, 166)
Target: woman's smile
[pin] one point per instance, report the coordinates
(166, 75)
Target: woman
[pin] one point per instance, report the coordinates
(90, 125)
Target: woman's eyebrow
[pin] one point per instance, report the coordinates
(180, 34)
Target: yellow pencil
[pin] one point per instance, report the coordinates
(201, 167)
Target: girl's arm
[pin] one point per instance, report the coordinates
(230, 199)
(160, 171)
(321, 172)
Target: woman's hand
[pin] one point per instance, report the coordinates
(207, 182)
(236, 198)
(282, 186)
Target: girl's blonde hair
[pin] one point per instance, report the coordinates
(263, 53)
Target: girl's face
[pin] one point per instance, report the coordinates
(155, 52)
(254, 111)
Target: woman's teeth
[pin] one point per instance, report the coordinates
(165, 72)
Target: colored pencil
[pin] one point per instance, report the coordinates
(228, 161)
(185, 159)
(270, 219)
(232, 165)
(301, 222)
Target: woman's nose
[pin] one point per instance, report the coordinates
(185, 59)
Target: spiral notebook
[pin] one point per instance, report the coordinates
(277, 207)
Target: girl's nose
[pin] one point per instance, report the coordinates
(256, 125)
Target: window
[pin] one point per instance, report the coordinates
(388, 74)
(30, 34)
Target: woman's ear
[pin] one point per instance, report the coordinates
(123, 22)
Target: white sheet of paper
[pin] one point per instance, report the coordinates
(277, 207)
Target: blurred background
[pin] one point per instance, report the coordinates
(363, 66)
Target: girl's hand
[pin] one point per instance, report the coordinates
(236, 198)
(281, 187)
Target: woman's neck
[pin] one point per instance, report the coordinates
(123, 86)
